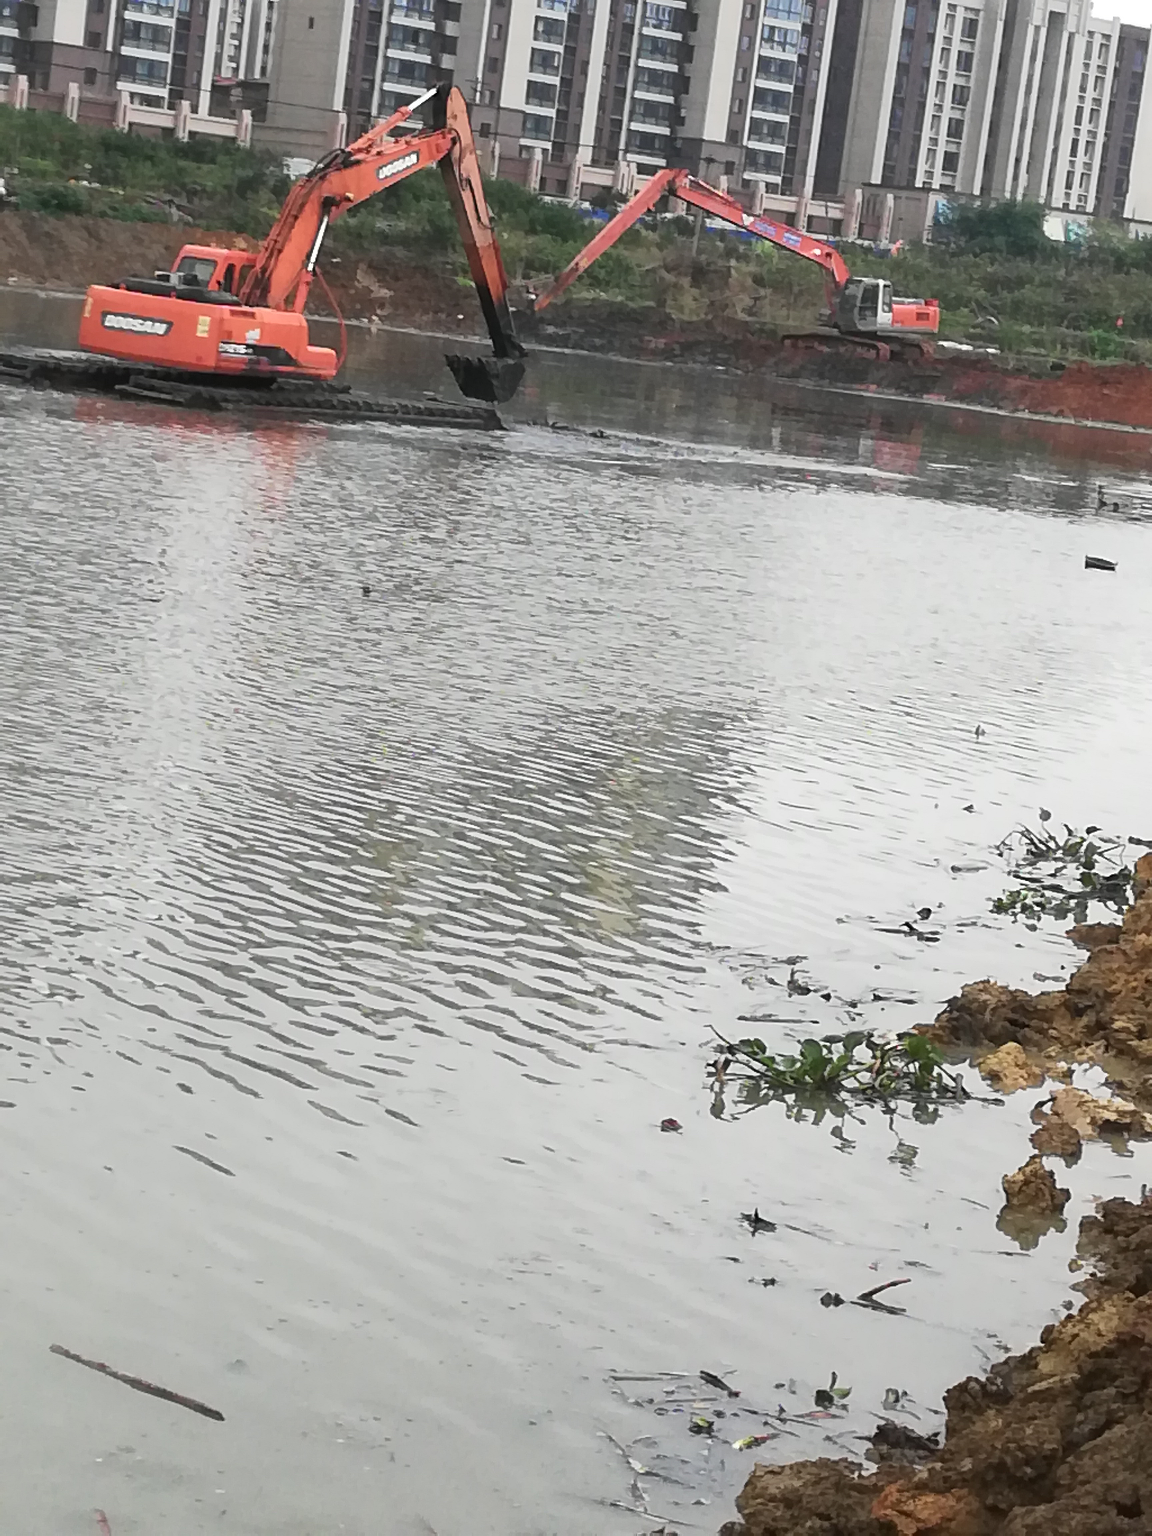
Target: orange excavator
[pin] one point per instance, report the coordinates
(863, 316)
(237, 316)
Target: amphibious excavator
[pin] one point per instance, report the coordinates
(233, 315)
(863, 315)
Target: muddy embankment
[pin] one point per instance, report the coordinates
(1057, 1441)
(69, 253)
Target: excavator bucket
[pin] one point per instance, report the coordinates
(495, 379)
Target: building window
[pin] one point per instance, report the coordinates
(783, 38)
(961, 95)
(772, 101)
(543, 62)
(548, 30)
(776, 69)
(765, 131)
(764, 162)
(540, 93)
(963, 62)
(955, 128)
(950, 161)
(92, 40)
(662, 16)
(741, 75)
(89, 77)
(537, 127)
(968, 28)
(497, 31)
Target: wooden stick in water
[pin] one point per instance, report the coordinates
(140, 1385)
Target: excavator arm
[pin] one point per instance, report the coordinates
(282, 274)
(700, 195)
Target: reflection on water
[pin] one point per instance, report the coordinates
(389, 814)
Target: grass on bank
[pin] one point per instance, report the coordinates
(999, 280)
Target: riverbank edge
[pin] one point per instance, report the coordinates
(1055, 1441)
(43, 254)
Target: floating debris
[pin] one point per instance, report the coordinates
(757, 1223)
(1058, 876)
(138, 1384)
(719, 1383)
(832, 1396)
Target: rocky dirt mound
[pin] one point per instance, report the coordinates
(1055, 1442)
(1103, 1014)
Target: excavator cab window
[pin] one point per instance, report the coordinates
(228, 281)
(867, 303)
(195, 271)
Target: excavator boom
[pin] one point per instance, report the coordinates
(689, 189)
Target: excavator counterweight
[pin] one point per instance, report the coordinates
(239, 314)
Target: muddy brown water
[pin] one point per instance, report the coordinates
(356, 945)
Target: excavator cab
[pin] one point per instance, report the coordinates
(864, 307)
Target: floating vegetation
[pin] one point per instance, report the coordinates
(862, 1066)
(1059, 877)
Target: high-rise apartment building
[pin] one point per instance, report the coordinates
(814, 108)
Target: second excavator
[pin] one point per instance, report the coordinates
(236, 315)
(863, 314)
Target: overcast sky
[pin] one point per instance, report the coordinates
(1137, 11)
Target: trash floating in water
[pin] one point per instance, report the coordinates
(832, 1396)
(140, 1385)
(670, 1125)
(1095, 563)
(719, 1383)
(757, 1223)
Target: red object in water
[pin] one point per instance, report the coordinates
(670, 1125)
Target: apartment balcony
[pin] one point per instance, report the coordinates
(142, 49)
(409, 74)
(768, 135)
